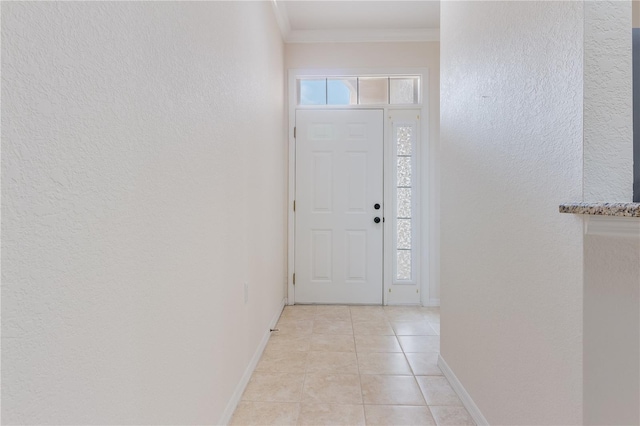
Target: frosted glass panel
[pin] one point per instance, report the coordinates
(404, 154)
(373, 90)
(404, 138)
(342, 91)
(403, 90)
(403, 235)
(404, 171)
(403, 265)
(312, 92)
(404, 202)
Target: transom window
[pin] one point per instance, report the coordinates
(385, 90)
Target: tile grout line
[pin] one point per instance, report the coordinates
(306, 366)
(353, 334)
(413, 375)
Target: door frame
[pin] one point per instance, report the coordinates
(428, 242)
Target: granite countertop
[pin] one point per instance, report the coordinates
(603, 209)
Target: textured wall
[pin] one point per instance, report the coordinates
(511, 137)
(389, 55)
(143, 180)
(612, 330)
(608, 113)
(611, 264)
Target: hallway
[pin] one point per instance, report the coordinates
(352, 365)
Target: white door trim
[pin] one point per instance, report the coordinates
(428, 241)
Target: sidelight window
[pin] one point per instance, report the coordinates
(404, 137)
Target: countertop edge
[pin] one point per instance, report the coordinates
(602, 209)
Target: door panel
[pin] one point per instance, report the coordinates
(356, 256)
(322, 185)
(356, 181)
(339, 179)
(321, 255)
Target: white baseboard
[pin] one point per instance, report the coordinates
(244, 381)
(468, 403)
(432, 303)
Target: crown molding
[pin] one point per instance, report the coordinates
(346, 36)
(282, 17)
(358, 36)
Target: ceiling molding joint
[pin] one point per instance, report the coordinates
(347, 35)
(358, 36)
(282, 17)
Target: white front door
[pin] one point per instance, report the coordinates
(339, 195)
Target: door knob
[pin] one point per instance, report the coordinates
(376, 206)
(376, 219)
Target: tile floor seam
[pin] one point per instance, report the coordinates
(304, 382)
(421, 391)
(357, 360)
(404, 354)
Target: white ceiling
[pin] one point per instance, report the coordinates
(359, 20)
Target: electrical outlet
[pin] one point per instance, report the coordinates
(246, 292)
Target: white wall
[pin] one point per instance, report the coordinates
(608, 109)
(611, 263)
(511, 137)
(143, 176)
(612, 329)
(388, 55)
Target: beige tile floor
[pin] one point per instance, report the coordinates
(352, 365)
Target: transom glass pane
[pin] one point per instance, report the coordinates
(373, 90)
(383, 90)
(312, 92)
(342, 91)
(403, 90)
